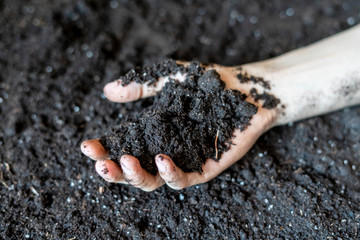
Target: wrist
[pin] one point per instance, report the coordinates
(314, 80)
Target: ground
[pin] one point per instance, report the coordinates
(299, 181)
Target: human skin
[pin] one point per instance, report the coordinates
(310, 81)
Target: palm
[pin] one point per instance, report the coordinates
(130, 172)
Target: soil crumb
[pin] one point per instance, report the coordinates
(184, 122)
(151, 74)
(270, 101)
(245, 78)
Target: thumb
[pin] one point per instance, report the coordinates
(116, 92)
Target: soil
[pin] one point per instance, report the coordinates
(186, 121)
(270, 101)
(244, 78)
(151, 74)
(299, 181)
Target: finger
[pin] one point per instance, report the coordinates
(135, 175)
(116, 92)
(174, 177)
(109, 171)
(94, 149)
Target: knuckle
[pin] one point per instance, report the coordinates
(139, 182)
(171, 179)
(126, 94)
(128, 180)
(177, 185)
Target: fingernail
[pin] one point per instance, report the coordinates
(102, 170)
(161, 163)
(125, 167)
(160, 157)
(83, 147)
(109, 87)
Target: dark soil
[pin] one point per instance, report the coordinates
(270, 101)
(151, 74)
(185, 121)
(298, 182)
(245, 78)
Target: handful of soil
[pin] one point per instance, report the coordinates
(189, 121)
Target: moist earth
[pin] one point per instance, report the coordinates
(189, 121)
(299, 181)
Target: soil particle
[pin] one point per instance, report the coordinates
(105, 171)
(184, 122)
(270, 101)
(150, 74)
(245, 78)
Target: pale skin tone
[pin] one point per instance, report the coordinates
(318, 79)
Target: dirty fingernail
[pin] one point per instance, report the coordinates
(161, 163)
(125, 167)
(111, 86)
(102, 170)
(83, 147)
(160, 157)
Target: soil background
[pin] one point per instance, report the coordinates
(300, 181)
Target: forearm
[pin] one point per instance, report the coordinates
(314, 80)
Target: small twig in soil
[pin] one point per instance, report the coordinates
(216, 149)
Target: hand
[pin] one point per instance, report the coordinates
(130, 172)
